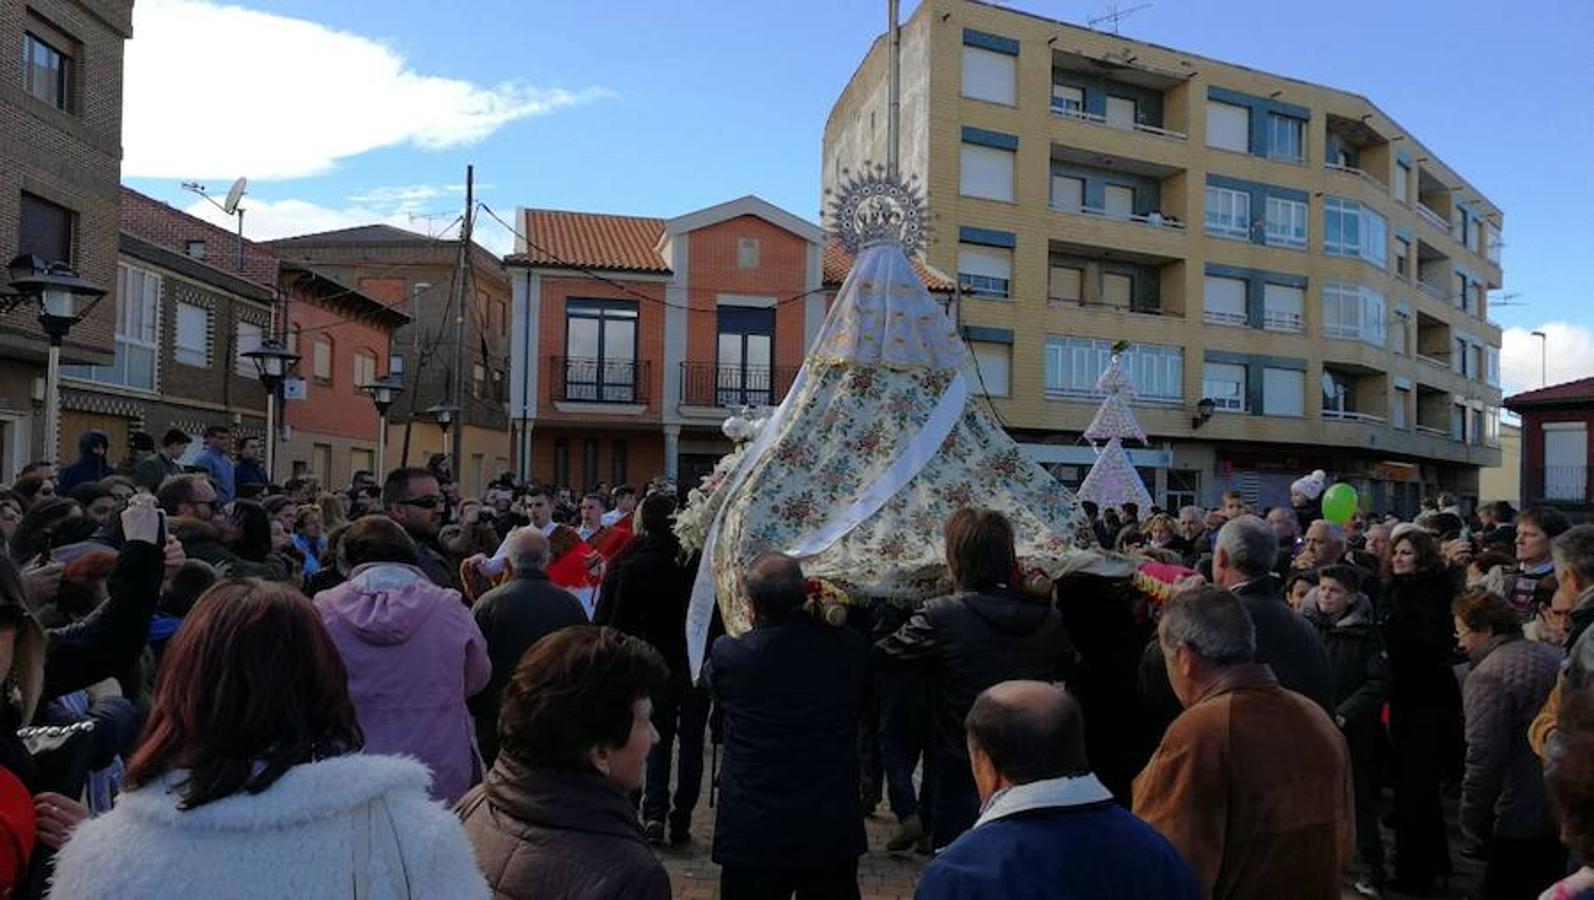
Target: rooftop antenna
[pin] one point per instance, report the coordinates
(1114, 15)
(235, 195)
(1508, 300)
(428, 219)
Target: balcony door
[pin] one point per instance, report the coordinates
(744, 374)
(600, 363)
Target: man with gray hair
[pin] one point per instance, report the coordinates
(512, 617)
(1573, 554)
(1251, 784)
(1242, 562)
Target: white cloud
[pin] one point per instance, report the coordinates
(266, 220)
(217, 91)
(1567, 355)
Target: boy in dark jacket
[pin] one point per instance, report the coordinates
(1343, 617)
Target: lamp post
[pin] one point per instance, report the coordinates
(1544, 356)
(443, 414)
(63, 299)
(272, 361)
(383, 392)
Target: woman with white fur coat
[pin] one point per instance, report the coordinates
(249, 782)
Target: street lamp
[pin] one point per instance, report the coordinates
(1544, 355)
(383, 392)
(63, 299)
(443, 414)
(272, 362)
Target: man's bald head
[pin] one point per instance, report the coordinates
(528, 550)
(776, 586)
(1031, 731)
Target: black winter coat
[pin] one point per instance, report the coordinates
(645, 594)
(512, 617)
(791, 693)
(1421, 638)
(967, 642)
(1358, 662)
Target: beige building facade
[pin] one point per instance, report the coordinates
(1302, 283)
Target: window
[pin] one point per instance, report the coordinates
(45, 229)
(1286, 223)
(478, 380)
(1286, 137)
(1458, 422)
(321, 360)
(743, 376)
(1353, 312)
(1350, 229)
(1463, 296)
(1224, 385)
(1375, 238)
(617, 462)
(1458, 355)
(1073, 364)
(138, 297)
(561, 462)
(1283, 308)
(1224, 302)
(986, 172)
(1493, 242)
(191, 346)
(1068, 99)
(747, 253)
(600, 351)
(1491, 426)
(1283, 392)
(1464, 228)
(365, 369)
(46, 70)
(1475, 362)
(1228, 213)
(1491, 365)
(1397, 413)
(985, 271)
(1336, 389)
(1402, 257)
(1402, 179)
(1066, 283)
(1119, 201)
(589, 463)
(989, 368)
(1122, 112)
(1400, 332)
(248, 341)
(1565, 461)
(196, 249)
(1117, 289)
(1068, 193)
(988, 75)
(1228, 127)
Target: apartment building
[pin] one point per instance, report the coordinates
(1303, 283)
(417, 274)
(60, 162)
(633, 338)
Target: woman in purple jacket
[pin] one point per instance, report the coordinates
(413, 652)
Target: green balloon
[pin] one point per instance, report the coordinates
(1339, 503)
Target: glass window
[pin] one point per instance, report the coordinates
(986, 172)
(45, 229)
(1283, 392)
(321, 360)
(1068, 193)
(747, 253)
(1400, 333)
(989, 368)
(1067, 98)
(138, 296)
(1463, 296)
(1224, 385)
(365, 370)
(248, 341)
(985, 271)
(1402, 180)
(600, 351)
(1397, 413)
(1228, 126)
(1283, 307)
(1286, 137)
(1224, 300)
(988, 75)
(1491, 365)
(1402, 256)
(1074, 364)
(1375, 238)
(1117, 289)
(46, 70)
(1119, 201)
(1228, 213)
(1286, 223)
(191, 347)
(1066, 283)
(1121, 112)
(744, 374)
(1341, 227)
(1353, 312)
(1458, 422)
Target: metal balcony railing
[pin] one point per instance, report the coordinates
(1557, 484)
(732, 387)
(598, 380)
(1070, 111)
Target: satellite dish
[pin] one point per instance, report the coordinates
(1330, 386)
(234, 195)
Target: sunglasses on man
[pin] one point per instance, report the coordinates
(429, 501)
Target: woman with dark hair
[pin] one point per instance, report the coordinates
(554, 817)
(34, 488)
(1504, 811)
(1424, 703)
(413, 653)
(249, 782)
(47, 525)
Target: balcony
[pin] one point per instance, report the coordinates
(708, 384)
(1434, 202)
(1433, 271)
(1112, 186)
(619, 382)
(1216, 317)
(1115, 93)
(1096, 278)
(1353, 147)
(1433, 412)
(1432, 218)
(1558, 485)
(1355, 393)
(1285, 322)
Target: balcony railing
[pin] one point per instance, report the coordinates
(598, 380)
(1150, 220)
(1359, 173)
(1432, 218)
(1558, 484)
(1218, 317)
(1350, 415)
(1438, 292)
(1073, 112)
(1138, 307)
(732, 387)
(1432, 431)
(1283, 321)
(1436, 363)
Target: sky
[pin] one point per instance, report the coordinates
(345, 112)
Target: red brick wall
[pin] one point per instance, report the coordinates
(782, 273)
(392, 291)
(169, 227)
(644, 453)
(650, 338)
(335, 408)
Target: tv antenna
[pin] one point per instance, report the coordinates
(235, 195)
(428, 218)
(1510, 299)
(1115, 16)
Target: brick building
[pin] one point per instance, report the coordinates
(633, 338)
(1556, 424)
(416, 273)
(60, 163)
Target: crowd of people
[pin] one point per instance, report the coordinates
(221, 686)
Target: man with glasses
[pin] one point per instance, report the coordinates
(413, 498)
(193, 517)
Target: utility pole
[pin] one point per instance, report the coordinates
(464, 289)
(894, 76)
